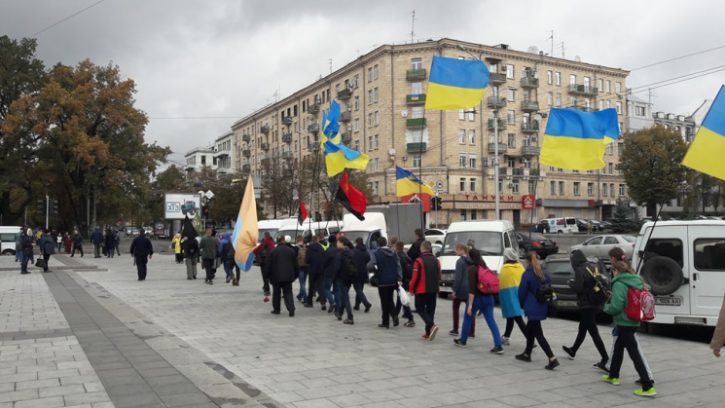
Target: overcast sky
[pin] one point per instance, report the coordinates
(226, 58)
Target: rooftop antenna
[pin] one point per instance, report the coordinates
(331, 65)
(412, 27)
(563, 50)
(551, 37)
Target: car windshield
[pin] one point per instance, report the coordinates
(353, 235)
(489, 243)
(559, 268)
(272, 232)
(629, 238)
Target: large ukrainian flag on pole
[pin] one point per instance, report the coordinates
(456, 83)
(707, 151)
(576, 139)
(339, 157)
(406, 183)
(246, 232)
(331, 125)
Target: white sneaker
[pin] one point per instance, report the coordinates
(505, 340)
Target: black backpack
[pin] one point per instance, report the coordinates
(349, 270)
(545, 293)
(601, 286)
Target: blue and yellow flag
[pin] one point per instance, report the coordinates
(331, 125)
(246, 233)
(577, 140)
(339, 157)
(707, 150)
(406, 183)
(456, 83)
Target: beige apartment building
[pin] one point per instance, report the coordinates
(382, 95)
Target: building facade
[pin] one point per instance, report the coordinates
(382, 95)
(198, 158)
(224, 153)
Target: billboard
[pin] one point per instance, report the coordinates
(180, 205)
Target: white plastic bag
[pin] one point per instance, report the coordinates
(403, 295)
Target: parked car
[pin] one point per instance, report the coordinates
(584, 225)
(606, 225)
(8, 235)
(600, 245)
(561, 225)
(538, 243)
(435, 235)
(562, 273)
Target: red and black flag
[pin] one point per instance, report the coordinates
(350, 198)
(302, 215)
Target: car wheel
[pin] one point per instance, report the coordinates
(8, 252)
(560, 232)
(662, 274)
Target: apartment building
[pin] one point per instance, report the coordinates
(383, 93)
(224, 153)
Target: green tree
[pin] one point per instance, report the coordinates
(651, 166)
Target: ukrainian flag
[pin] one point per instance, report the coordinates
(576, 139)
(331, 125)
(456, 83)
(706, 151)
(339, 157)
(244, 237)
(406, 183)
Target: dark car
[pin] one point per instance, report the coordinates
(561, 272)
(538, 243)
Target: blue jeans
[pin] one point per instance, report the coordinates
(342, 296)
(484, 303)
(24, 262)
(326, 292)
(303, 279)
(360, 297)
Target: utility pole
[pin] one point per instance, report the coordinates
(47, 210)
(551, 37)
(412, 28)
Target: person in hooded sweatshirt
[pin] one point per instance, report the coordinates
(624, 279)
(361, 256)
(460, 288)
(509, 280)
(314, 258)
(343, 281)
(585, 284)
(386, 267)
(331, 265)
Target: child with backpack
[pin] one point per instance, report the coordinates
(535, 294)
(482, 285)
(627, 289)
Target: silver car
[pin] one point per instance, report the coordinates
(600, 245)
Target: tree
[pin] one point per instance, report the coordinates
(651, 166)
(622, 219)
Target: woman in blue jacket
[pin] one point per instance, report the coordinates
(535, 310)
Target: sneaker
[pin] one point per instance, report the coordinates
(602, 366)
(409, 323)
(323, 307)
(266, 299)
(523, 357)
(308, 304)
(396, 322)
(292, 313)
(331, 309)
(433, 332)
(384, 326)
(459, 343)
(497, 350)
(649, 393)
(356, 307)
(453, 333)
(425, 337)
(348, 321)
(339, 316)
(505, 341)
(367, 307)
(552, 364)
(274, 312)
(613, 381)
(569, 352)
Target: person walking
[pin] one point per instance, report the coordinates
(586, 286)
(424, 285)
(508, 296)
(414, 251)
(47, 248)
(77, 243)
(59, 241)
(282, 272)
(117, 244)
(460, 289)
(346, 275)
(532, 297)
(262, 252)
(329, 271)
(26, 250)
(67, 243)
(97, 240)
(315, 258)
(302, 273)
(406, 267)
(718, 335)
(386, 268)
(227, 256)
(208, 248)
(141, 250)
(110, 240)
(479, 300)
(624, 279)
(19, 245)
(191, 256)
(176, 245)
(361, 256)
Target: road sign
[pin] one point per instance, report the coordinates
(528, 201)
(439, 187)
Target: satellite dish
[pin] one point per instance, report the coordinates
(532, 49)
(577, 58)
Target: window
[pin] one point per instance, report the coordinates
(639, 110)
(561, 188)
(515, 186)
(611, 190)
(461, 114)
(509, 71)
(594, 241)
(511, 117)
(532, 186)
(511, 95)
(510, 162)
(622, 189)
(416, 161)
(527, 141)
(557, 99)
(370, 96)
(557, 78)
(356, 125)
(587, 82)
(472, 136)
(416, 63)
(590, 189)
(462, 184)
(416, 88)
(376, 95)
(512, 140)
(203, 160)
(370, 74)
(462, 136)
(357, 144)
(710, 254)
(463, 214)
(375, 141)
(599, 84)
(572, 79)
(549, 77)
(462, 161)
(618, 105)
(618, 87)
(474, 215)
(552, 189)
(550, 98)
(472, 184)
(471, 116)
(610, 169)
(472, 162)
(672, 248)
(577, 192)
(572, 101)
(607, 86)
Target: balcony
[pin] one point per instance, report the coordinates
(313, 109)
(415, 99)
(416, 75)
(265, 162)
(502, 171)
(265, 146)
(530, 127)
(246, 153)
(287, 138)
(287, 121)
(530, 150)
(529, 106)
(496, 102)
(502, 147)
(345, 116)
(313, 127)
(583, 90)
(246, 168)
(286, 154)
(529, 82)
(346, 138)
(416, 148)
(415, 123)
(501, 124)
(246, 138)
(313, 146)
(518, 172)
(534, 172)
(344, 94)
(264, 129)
(497, 78)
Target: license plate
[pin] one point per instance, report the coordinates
(668, 300)
(566, 303)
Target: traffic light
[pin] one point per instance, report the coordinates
(40, 206)
(54, 207)
(205, 210)
(435, 203)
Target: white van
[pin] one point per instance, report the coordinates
(272, 226)
(561, 225)
(8, 235)
(490, 237)
(683, 262)
(370, 229)
(326, 228)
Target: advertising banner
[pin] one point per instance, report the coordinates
(177, 206)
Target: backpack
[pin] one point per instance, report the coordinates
(349, 270)
(487, 281)
(545, 293)
(640, 305)
(301, 252)
(599, 292)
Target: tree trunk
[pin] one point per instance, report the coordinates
(651, 209)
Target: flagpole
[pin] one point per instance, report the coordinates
(420, 176)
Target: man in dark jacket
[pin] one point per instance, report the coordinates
(77, 244)
(331, 267)
(424, 284)
(314, 258)
(414, 250)
(209, 250)
(141, 250)
(344, 277)
(406, 266)
(262, 252)
(47, 248)
(388, 273)
(361, 257)
(585, 285)
(282, 272)
(110, 243)
(97, 239)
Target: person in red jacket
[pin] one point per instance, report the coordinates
(262, 251)
(424, 285)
